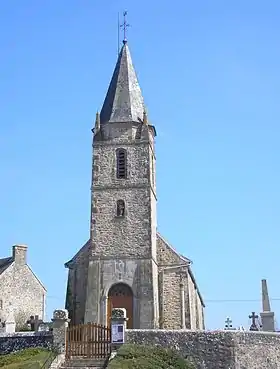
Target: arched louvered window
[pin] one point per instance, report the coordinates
(120, 289)
(121, 163)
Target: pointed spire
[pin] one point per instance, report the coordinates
(124, 101)
(145, 118)
(97, 123)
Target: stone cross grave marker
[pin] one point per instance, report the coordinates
(228, 324)
(254, 318)
(34, 322)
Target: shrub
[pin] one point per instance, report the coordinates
(23, 356)
(146, 357)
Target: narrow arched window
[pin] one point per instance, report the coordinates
(121, 163)
(120, 208)
(1, 304)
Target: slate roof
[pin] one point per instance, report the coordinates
(85, 248)
(4, 263)
(124, 101)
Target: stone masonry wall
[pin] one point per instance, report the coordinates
(192, 303)
(11, 342)
(199, 318)
(124, 247)
(170, 297)
(212, 350)
(22, 289)
(77, 285)
(130, 235)
(187, 309)
(171, 301)
(165, 255)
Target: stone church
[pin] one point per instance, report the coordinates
(126, 263)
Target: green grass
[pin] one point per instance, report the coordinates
(146, 357)
(32, 358)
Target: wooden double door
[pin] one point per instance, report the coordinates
(120, 296)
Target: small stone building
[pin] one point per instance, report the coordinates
(126, 263)
(21, 291)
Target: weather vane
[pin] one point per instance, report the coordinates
(124, 26)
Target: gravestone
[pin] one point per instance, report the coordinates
(228, 324)
(34, 322)
(43, 327)
(254, 325)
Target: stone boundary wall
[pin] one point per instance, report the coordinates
(220, 349)
(11, 342)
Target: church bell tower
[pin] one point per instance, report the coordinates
(123, 268)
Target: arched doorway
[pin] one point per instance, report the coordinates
(121, 296)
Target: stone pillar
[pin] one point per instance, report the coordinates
(60, 325)
(161, 299)
(10, 324)
(183, 308)
(267, 319)
(265, 296)
(118, 328)
(267, 316)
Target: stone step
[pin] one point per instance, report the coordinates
(94, 366)
(83, 367)
(84, 363)
(79, 365)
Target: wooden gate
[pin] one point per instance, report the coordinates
(88, 340)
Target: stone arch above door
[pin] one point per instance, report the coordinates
(120, 295)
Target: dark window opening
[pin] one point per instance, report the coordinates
(120, 208)
(120, 290)
(121, 163)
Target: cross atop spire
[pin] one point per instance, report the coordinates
(124, 27)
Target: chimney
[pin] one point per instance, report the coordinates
(19, 254)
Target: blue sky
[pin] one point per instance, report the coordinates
(209, 72)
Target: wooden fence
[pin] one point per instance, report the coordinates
(88, 340)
